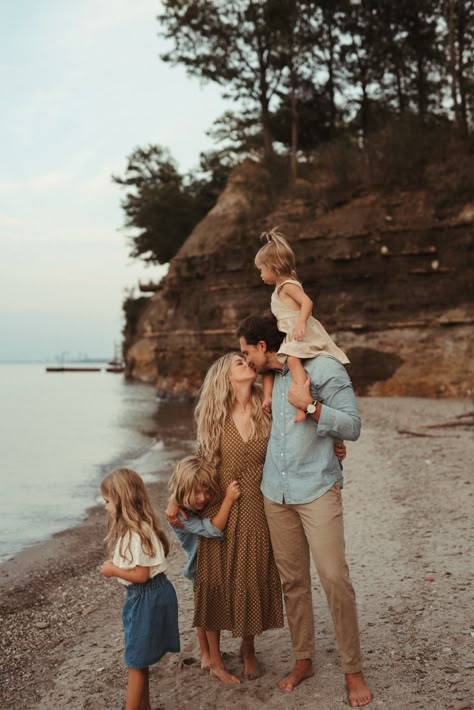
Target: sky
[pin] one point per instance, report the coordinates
(82, 87)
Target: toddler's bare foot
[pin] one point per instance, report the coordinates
(300, 415)
(267, 405)
(223, 675)
(358, 692)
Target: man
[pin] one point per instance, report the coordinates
(301, 484)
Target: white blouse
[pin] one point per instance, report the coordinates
(157, 563)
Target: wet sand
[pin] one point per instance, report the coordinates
(408, 513)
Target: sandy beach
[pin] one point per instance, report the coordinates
(408, 502)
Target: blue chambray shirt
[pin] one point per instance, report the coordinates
(300, 464)
(188, 536)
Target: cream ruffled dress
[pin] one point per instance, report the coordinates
(316, 340)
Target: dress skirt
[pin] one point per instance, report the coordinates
(237, 583)
(150, 622)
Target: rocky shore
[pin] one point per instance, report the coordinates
(408, 499)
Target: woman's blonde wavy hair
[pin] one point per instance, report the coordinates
(190, 472)
(216, 399)
(276, 253)
(133, 513)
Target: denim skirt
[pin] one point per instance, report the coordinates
(150, 621)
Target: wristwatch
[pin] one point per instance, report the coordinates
(311, 408)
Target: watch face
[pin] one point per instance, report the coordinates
(311, 408)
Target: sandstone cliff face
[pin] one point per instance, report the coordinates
(390, 281)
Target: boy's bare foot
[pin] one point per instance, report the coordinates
(251, 668)
(358, 692)
(302, 669)
(224, 676)
(267, 405)
(300, 415)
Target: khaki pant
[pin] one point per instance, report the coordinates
(296, 530)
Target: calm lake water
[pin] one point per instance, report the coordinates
(60, 434)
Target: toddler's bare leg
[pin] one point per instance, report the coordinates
(299, 376)
(267, 386)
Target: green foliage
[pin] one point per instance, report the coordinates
(231, 42)
(363, 91)
(339, 170)
(400, 152)
(164, 205)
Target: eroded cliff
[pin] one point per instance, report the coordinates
(390, 279)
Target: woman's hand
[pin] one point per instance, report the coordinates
(233, 491)
(172, 512)
(107, 569)
(340, 450)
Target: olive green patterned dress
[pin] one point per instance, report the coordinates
(237, 586)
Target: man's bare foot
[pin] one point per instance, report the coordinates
(223, 675)
(302, 669)
(300, 415)
(358, 692)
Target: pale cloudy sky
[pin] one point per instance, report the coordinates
(82, 86)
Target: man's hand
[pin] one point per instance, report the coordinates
(299, 395)
(340, 450)
(172, 512)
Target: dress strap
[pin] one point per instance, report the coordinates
(288, 281)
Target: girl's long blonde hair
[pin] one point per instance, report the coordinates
(190, 472)
(216, 399)
(133, 513)
(277, 254)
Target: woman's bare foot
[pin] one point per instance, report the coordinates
(223, 675)
(358, 692)
(302, 669)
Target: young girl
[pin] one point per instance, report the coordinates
(138, 547)
(305, 336)
(194, 484)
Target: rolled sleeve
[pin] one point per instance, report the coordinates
(202, 527)
(339, 415)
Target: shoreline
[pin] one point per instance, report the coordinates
(408, 503)
(166, 431)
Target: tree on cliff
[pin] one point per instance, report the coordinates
(232, 42)
(164, 205)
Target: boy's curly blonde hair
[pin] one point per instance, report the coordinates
(190, 472)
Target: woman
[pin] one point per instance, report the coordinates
(237, 585)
